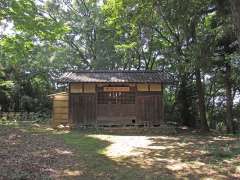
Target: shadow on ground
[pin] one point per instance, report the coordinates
(40, 154)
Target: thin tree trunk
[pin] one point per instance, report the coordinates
(212, 108)
(201, 100)
(229, 100)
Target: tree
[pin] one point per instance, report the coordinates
(33, 31)
(191, 40)
(235, 8)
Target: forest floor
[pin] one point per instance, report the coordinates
(38, 152)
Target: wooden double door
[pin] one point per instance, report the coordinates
(83, 108)
(149, 109)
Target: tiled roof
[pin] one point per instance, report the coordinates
(116, 76)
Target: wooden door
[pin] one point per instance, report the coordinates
(83, 108)
(149, 109)
(116, 114)
(115, 107)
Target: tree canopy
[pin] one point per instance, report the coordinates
(195, 41)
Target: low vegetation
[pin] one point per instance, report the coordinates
(39, 152)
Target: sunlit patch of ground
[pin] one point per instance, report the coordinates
(42, 153)
(123, 146)
(189, 156)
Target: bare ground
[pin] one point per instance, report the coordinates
(41, 154)
(33, 155)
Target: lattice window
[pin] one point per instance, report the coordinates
(116, 98)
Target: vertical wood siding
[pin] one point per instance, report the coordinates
(83, 108)
(147, 109)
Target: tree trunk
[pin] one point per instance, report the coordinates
(229, 100)
(184, 103)
(201, 100)
(235, 7)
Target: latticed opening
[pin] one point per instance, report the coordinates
(116, 98)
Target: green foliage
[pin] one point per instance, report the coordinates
(177, 37)
(30, 19)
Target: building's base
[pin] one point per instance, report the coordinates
(140, 129)
(161, 129)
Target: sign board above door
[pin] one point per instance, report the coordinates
(116, 89)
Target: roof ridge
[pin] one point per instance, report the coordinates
(133, 76)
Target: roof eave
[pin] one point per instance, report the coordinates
(154, 82)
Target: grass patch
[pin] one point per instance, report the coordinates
(84, 143)
(225, 151)
(90, 152)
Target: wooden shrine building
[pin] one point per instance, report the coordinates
(111, 98)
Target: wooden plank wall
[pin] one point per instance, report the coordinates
(83, 108)
(60, 109)
(149, 108)
(116, 114)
